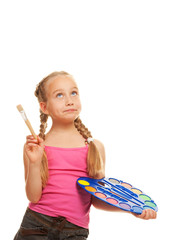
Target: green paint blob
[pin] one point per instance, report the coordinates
(150, 204)
(147, 207)
(144, 197)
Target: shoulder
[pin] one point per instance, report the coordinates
(100, 147)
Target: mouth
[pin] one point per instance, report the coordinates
(70, 110)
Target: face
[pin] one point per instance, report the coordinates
(63, 100)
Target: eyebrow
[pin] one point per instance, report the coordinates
(60, 89)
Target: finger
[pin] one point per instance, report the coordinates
(38, 142)
(32, 141)
(147, 214)
(39, 139)
(151, 214)
(154, 216)
(30, 137)
(32, 145)
(143, 214)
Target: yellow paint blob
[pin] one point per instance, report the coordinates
(137, 191)
(83, 182)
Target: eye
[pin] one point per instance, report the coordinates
(58, 95)
(74, 92)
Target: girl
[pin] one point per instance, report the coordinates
(58, 208)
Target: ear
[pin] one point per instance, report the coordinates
(43, 107)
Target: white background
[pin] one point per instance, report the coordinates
(126, 57)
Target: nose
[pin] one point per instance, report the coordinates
(68, 100)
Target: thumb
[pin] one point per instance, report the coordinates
(40, 140)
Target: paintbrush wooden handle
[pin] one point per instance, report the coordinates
(30, 128)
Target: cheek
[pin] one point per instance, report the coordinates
(78, 105)
(55, 107)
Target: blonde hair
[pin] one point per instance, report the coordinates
(94, 159)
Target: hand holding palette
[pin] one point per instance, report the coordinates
(118, 193)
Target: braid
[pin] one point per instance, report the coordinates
(94, 160)
(40, 93)
(43, 125)
(82, 129)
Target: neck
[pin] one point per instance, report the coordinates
(63, 128)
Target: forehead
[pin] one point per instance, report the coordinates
(60, 82)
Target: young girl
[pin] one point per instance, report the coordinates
(59, 208)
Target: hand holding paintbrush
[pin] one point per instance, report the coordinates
(34, 145)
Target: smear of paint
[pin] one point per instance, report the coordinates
(111, 200)
(144, 197)
(135, 190)
(90, 189)
(150, 204)
(113, 180)
(125, 206)
(126, 185)
(100, 195)
(83, 182)
(147, 207)
(137, 209)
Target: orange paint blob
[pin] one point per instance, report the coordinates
(126, 185)
(90, 189)
(100, 195)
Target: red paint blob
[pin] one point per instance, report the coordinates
(112, 201)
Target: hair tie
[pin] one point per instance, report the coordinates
(90, 139)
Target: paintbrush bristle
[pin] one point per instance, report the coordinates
(22, 112)
(20, 108)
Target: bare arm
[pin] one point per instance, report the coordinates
(104, 206)
(32, 161)
(95, 201)
(99, 204)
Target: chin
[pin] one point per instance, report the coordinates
(68, 120)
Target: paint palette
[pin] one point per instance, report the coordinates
(118, 193)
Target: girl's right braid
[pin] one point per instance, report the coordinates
(41, 95)
(43, 125)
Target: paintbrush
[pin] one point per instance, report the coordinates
(24, 116)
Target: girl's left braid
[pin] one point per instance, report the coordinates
(82, 129)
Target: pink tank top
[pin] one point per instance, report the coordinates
(62, 196)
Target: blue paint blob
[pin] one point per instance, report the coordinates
(137, 209)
